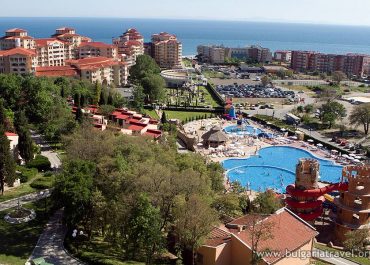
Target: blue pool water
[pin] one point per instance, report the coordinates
(244, 129)
(274, 167)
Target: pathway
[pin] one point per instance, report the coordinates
(25, 199)
(46, 150)
(331, 258)
(50, 244)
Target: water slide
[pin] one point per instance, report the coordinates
(291, 190)
(320, 194)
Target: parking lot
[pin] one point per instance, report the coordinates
(254, 91)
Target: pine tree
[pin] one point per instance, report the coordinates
(98, 92)
(25, 141)
(79, 115)
(110, 98)
(163, 118)
(7, 165)
(76, 99)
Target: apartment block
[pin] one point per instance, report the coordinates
(96, 49)
(283, 56)
(350, 64)
(130, 45)
(211, 54)
(166, 50)
(16, 38)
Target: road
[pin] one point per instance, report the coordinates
(331, 258)
(46, 150)
(25, 199)
(50, 244)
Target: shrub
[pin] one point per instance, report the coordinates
(26, 173)
(40, 162)
(42, 183)
(48, 174)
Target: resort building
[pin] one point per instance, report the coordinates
(289, 241)
(211, 54)
(16, 38)
(130, 45)
(350, 64)
(214, 138)
(50, 52)
(165, 49)
(283, 56)
(96, 49)
(18, 61)
(70, 36)
(101, 69)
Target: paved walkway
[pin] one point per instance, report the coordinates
(331, 258)
(46, 150)
(50, 244)
(25, 199)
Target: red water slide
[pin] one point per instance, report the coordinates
(304, 204)
(291, 190)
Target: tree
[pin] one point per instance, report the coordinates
(106, 110)
(163, 118)
(332, 111)
(356, 240)
(259, 231)
(266, 203)
(7, 164)
(360, 115)
(144, 66)
(265, 80)
(25, 143)
(144, 229)
(139, 96)
(309, 108)
(194, 220)
(338, 76)
(154, 87)
(73, 188)
(300, 109)
(98, 93)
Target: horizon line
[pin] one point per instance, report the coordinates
(274, 21)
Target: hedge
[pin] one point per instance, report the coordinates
(42, 183)
(26, 173)
(40, 162)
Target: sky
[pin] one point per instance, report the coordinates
(343, 12)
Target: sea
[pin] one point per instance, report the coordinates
(276, 36)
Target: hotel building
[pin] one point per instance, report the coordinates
(16, 38)
(65, 54)
(283, 56)
(165, 49)
(130, 45)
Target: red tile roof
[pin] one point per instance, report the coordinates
(217, 237)
(289, 232)
(93, 63)
(14, 51)
(56, 71)
(136, 127)
(10, 134)
(18, 30)
(46, 41)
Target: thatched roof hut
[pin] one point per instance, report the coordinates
(214, 137)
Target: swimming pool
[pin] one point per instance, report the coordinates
(244, 130)
(274, 167)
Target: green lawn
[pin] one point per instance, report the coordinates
(360, 260)
(208, 97)
(18, 241)
(151, 113)
(183, 115)
(97, 251)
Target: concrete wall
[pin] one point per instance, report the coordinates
(297, 257)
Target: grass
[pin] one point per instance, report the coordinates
(275, 121)
(18, 241)
(151, 113)
(23, 189)
(360, 260)
(208, 97)
(213, 74)
(184, 115)
(97, 251)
